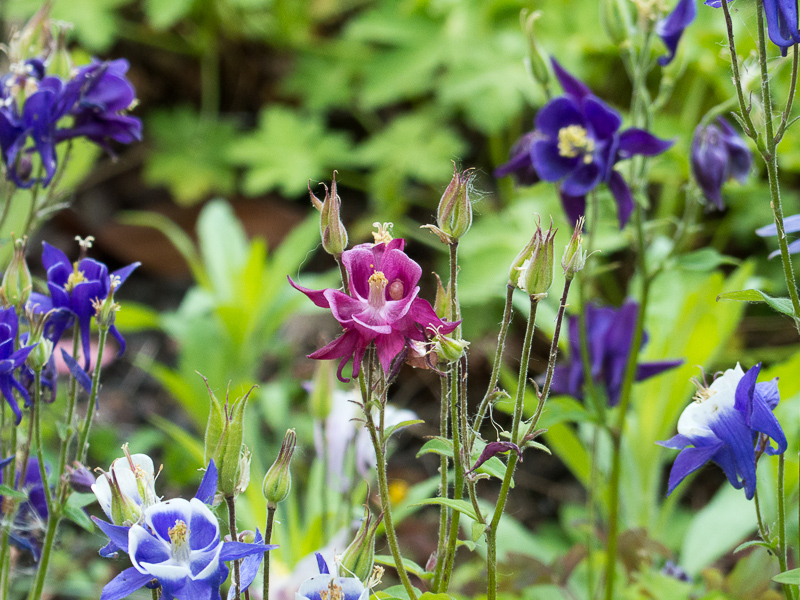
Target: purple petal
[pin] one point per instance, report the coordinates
(688, 461)
(791, 224)
(116, 533)
(605, 121)
(574, 206)
(582, 180)
(745, 391)
(208, 486)
(549, 163)
(570, 84)
(237, 550)
(316, 296)
(622, 196)
(730, 428)
(321, 564)
(124, 584)
(670, 29)
(557, 114)
(648, 370)
(638, 141)
(676, 442)
(389, 346)
(123, 273)
(782, 23)
(77, 372)
(493, 449)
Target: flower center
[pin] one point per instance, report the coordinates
(179, 538)
(573, 141)
(75, 278)
(703, 393)
(396, 290)
(377, 286)
(333, 592)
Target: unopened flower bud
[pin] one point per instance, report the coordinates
(454, 216)
(34, 40)
(278, 480)
(224, 441)
(615, 20)
(42, 347)
(80, 478)
(17, 283)
(59, 63)
(359, 557)
(517, 265)
(574, 258)
(449, 349)
(331, 228)
(538, 270)
(442, 302)
(537, 64)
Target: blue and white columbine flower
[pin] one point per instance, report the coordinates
(178, 544)
(327, 587)
(729, 421)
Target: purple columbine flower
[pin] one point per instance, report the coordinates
(576, 143)
(326, 586)
(727, 423)
(670, 28)
(609, 334)
(10, 361)
(33, 105)
(74, 288)
(520, 165)
(718, 154)
(29, 522)
(790, 225)
(383, 306)
(179, 545)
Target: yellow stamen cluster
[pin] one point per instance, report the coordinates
(383, 233)
(75, 278)
(375, 578)
(703, 393)
(178, 533)
(334, 592)
(573, 141)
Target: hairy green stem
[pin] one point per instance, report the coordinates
(744, 109)
(519, 403)
(230, 502)
(83, 446)
(787, 111)
(443, 489)
(268, 540)
(458, 485)
(54, 518)
(788, 590)
(36, 415)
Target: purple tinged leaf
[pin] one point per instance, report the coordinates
(493, 449)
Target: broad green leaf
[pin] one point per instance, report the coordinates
(77, 515)
(410, 565)
(6, 490)
(394, 428)
(223, 246)
(704, 259)
(791, 577)
(287, 149)
(782, 305)
(437, 445)
(461, 506)
(190, 156)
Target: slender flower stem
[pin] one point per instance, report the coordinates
(443, 489)
(70, 429)
(744, 109)
(787, 111)
(83, 446)
(519, 403)
(230, 501)
(498, 361)
(343, 273)
(54, 518)
(762, 529)
(156, 593)
(268, 540)
(36, 415)
(788, 590)
(7, 204)
(458, 486)
(618, 431)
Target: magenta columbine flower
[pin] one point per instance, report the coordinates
(728, 421)
(383, 306)
(576, 143)
(718, 154)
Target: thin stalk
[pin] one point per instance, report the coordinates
(11, 474)
(519, 402)
(54, 518)
(230, 501)
(36, 415)
(458, 486)
(7, 204)
(625, 397)
(343, 273)
(788, 590)
(156, 593)
(268, 540)
(787, 110)
(83, 447)
(771, 158)
(744, 109)
(70, 429)
(443, 488)
(498, 361)
(762, 528)
(455, 312)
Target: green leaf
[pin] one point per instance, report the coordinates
(394, 428)
(163, 14)
(461, 506)
(432, 596)
(782, 305)
(223, 246)
(76, 514)
(6, 490)
(538, 446)
(409, 565)
(190, 156)
(137, 317)
(705, 259)
(752, 544)
(468, 543)
(477, 530)
(287, 149)
(791, 577)
(437, 445)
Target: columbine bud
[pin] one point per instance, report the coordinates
(331, 228)
(536, 62)
(574, 257)
(223, 441)
(615, 20)
(442, 302)
(17, 282)
(59, 63)
(43, 347)
(359, 557)
(278, 480)
(449, 349)
(454, 216)
(34, 39)
(538, 270)
(518, 263)
(80, 478)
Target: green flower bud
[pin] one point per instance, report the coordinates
(442, 302)
(278, 480)
(40, 355)
(124, 509)
(516, 268)
(536, 62)
(615, 20)
(359, 556)
(331, 228)
(224, 442)
(454, 216)
(574, 258)
(449, 349)
(17, 283)
(59, 63)
(34, 40)
(538, 270)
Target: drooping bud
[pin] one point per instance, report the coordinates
(331, 228)
(43, 347)
(224, 441)
(321, 396)
(442, 302)
(278, 480)
(448, 349)
(359, 556)
(538, 270)
(454, 215)
(17, 282)
(615, 20)
(574, 258)
(536, 63)
(80, 478)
